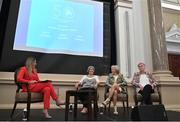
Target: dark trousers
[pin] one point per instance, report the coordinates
(146, 94)
(84, 97)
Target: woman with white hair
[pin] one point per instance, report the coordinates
(88, 82)
(115, 81)
(144, 83)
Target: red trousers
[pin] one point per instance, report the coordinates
(48, 90)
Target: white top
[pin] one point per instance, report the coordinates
(144, 80)
(88, 82)
(86, 77)
(115, 78)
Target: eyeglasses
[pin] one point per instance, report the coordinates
(140, 65)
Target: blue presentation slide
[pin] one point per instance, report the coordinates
(72, 27)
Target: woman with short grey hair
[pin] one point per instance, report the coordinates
(115, 81)
(88, 82)
(115, 67)
(144, 83)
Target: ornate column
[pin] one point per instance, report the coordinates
(159, 50)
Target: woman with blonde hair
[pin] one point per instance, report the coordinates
(115, 81)
(28, 74)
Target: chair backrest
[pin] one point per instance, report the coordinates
(19, 85)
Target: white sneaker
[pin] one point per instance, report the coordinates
(84, 110)
(115, 110)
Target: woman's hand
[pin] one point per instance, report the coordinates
(33, 81)
(77, 85)
(95, 87)
(141, 87)
(154, 85)
(115, 85)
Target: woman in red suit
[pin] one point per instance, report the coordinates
(29, 75)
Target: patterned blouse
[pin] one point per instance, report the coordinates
(120, 80)
(136, 79)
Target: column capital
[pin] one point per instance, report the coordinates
(122, 3)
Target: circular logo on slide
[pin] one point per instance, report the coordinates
(69, 12)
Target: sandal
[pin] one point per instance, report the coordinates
(84, 111)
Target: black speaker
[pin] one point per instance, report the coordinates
(149, 113)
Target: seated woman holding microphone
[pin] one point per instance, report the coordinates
(88, 82)
(115, 81)
(28, 74)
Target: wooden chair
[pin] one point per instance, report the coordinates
(155, 97)
(123, 96)
(25, 97)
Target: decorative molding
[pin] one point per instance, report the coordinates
(127, 1)
(173, 40)
(128, 43)
(123, 3)
(174, 34)
(170, 5)
(173, 2)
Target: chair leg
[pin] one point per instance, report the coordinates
(89, 107)
(67, 106)
(105, 105)
(124, 107)
(127, 104)
(15, 104)
(136, 103)
(89, 117)
(109, 106)
(104, 108)
(95, 108)
(135, 100)
(28, 110)
(75, 106)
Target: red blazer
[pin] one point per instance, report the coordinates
(24, 76)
